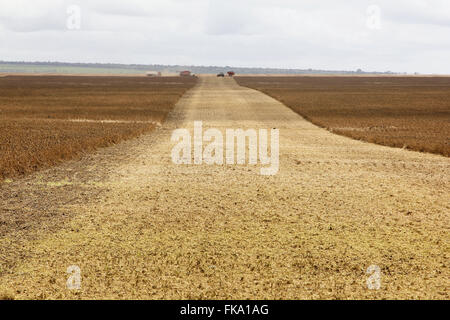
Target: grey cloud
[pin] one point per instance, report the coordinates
(33, 18)
(430, 12)
(309, 34)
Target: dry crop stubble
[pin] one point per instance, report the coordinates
(140, 226)
(47, 119)
(405, 112)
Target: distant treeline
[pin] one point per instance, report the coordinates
(18, 66)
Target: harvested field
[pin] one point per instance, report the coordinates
(405, 112)
(141, 227)
(46, 119)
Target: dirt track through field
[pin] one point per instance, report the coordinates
(139, 226)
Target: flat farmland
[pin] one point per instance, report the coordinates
(47, 119)
(141, 226)
(405, 112)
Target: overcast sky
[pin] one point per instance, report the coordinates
(397, 35)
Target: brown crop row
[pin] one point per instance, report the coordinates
(46, 119)
(406, 112)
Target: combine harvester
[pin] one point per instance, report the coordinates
(153, 74)
(185, 74)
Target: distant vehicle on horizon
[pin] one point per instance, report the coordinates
(153, 74)
(185, 73)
